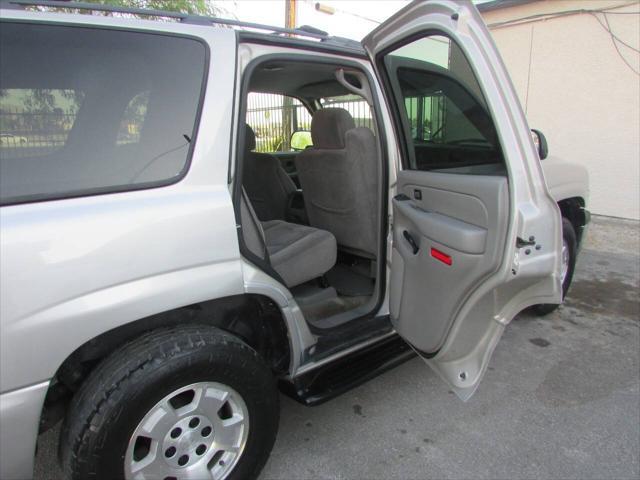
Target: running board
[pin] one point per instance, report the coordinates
(323, 383)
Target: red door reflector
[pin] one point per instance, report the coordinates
(443, 257)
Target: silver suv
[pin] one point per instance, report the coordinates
(174, 249)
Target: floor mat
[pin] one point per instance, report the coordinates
(349, 283)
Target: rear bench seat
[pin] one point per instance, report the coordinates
(298, 253)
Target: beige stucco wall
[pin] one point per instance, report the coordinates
(579, 92)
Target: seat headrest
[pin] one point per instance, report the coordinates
(249, 138)
(329, 126)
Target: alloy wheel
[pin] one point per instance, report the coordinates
(196, 432)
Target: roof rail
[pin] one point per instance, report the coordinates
(149, 12)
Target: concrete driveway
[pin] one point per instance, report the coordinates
(560, 400)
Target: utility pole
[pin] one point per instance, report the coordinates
(290, 11)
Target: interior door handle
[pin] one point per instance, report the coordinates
(407, 236)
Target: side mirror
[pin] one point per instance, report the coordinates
(540, 141)
(300, 139)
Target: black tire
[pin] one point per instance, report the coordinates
(124, 387)
(569, 236)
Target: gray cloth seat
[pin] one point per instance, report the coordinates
(267, 184)
(297, 252)
(339, 178)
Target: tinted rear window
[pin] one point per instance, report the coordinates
(86, 111)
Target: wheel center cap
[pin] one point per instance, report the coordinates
(188, 441)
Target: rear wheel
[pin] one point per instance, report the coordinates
(568, 263)
(183, 403)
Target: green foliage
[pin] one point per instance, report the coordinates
(38, 110)
(273, 144)
(194, 7)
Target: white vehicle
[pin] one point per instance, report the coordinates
(160, 278)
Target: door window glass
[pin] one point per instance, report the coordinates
(445, 119)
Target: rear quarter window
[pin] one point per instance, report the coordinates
(86, 111)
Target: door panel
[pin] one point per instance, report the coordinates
(463, 217)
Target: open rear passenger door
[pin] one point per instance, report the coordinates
(476, 234)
